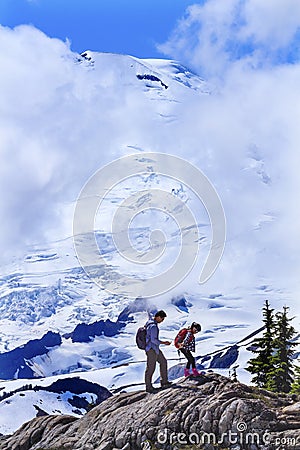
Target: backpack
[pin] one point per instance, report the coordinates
(140, 337)
(180, 337)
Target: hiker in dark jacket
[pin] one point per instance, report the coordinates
(187, 346)
(154, 354)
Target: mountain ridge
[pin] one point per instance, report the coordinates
(96, 110)
(211, 412)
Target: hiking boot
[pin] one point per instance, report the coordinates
(186, 372)
(166, 385)
(151, 390)
(195, 373)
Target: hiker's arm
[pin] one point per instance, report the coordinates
(154, 335)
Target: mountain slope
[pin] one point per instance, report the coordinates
(98, 108)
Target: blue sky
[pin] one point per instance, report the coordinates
(119, 26)
(207, 37)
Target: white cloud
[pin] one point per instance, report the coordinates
(61, 120)
(214, 35)
(272, 23)
(246, 138)
(248, 129)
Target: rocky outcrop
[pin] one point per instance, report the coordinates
(84, 332)
(212, 413)
(15, 362)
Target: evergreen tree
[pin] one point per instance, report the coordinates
(296, 382)
(260, 365)
(281, 373)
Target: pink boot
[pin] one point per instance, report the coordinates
(195, 373)
(186, 372)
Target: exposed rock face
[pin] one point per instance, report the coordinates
(217, 414)
(15, 361)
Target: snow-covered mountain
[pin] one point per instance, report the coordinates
(55, 321)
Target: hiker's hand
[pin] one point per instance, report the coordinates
(166, 342)
(180, 345)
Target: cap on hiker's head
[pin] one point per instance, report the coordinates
(196, 325)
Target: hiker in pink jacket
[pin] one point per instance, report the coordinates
(185, 342)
